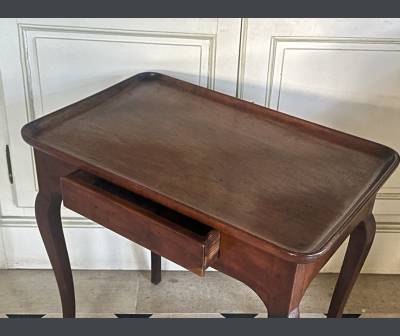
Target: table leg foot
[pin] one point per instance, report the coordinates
(155, 268)
(357, 250)
(294, 313)
(47, 208)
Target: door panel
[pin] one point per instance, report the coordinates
(348, 86)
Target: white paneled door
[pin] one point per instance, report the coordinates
(344, 74)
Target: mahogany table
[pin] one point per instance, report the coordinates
(205, 179)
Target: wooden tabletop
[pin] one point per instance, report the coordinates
(228, 163)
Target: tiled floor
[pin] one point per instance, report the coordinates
(180, 294)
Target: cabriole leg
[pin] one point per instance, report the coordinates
(359, 245)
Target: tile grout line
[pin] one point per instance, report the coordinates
(137, 291)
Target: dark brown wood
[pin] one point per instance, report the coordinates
(278, 193)
(155, 268)
(357, 250)
(187, 242)
(47, 209)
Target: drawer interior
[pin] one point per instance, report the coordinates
(172, 216)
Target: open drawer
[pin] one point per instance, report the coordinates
(170, 234)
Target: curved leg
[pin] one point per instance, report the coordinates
(47, 209)
(359, 245)
(155, 268)
(48, 218)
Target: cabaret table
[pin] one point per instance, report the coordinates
(207, 180)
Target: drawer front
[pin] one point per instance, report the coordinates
(165, 232)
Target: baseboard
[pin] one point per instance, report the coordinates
(93, 247)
